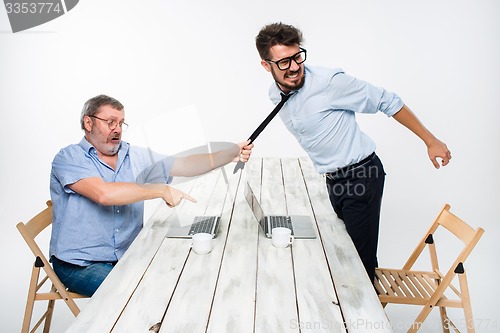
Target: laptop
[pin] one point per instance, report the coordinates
(200, 224)
(300, 225)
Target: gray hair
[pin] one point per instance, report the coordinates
(92, 105)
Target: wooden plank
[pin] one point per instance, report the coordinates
(394, 283)
(233, 307)
(360, 305)
(316, 299)
(379, 286)
(418, 286)
(276, 300)
(149, 301)
(401, 285)
(431, 285)
(413, 291)
(456, 226)
(386, 282)
(191, 303)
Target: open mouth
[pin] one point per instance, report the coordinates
(293, 75)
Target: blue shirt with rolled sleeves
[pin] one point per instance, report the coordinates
(84, 231)
(321, 116)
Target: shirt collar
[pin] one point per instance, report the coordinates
(88, 148)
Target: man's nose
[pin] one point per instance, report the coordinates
(293, 65)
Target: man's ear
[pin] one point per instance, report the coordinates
(87, 122)
(266, 65)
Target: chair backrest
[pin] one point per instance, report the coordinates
(34, 227)
(457, 227)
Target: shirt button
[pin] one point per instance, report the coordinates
(118, 211)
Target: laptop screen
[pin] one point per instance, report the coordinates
(255, 206)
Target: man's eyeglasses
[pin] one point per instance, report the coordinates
(112, 124)
(285, 63)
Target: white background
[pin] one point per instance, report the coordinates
(441, 57)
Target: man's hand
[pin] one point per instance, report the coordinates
(173, 196)
(437, 149)
(245, 151)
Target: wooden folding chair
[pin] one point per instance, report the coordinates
(427, 288)
(30, 231)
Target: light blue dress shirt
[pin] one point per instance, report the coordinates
(84, 231)
(321, 116)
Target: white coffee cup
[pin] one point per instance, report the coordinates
(201, 243)
(282, 237)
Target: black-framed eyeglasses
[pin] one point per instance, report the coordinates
(285, 63)
(112, 124)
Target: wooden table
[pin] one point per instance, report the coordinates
(244, 284)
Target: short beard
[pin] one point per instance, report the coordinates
(113, 150)
(291, 87)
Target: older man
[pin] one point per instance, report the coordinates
(98, 187)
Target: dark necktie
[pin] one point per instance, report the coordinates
(255, 134)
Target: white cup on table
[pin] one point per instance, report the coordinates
(282, 237)
(201, 243)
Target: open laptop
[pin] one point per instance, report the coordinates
(205, 223)
(300, 225)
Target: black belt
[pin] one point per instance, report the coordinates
(342, 172)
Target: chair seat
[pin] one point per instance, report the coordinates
(410, 286)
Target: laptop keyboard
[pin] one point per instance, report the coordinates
(202, 224)
(280, 221)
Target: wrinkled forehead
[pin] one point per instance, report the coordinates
(108, 111)
(280, 51)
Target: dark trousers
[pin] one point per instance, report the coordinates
(356, 197)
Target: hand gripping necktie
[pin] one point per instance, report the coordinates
(255, 134)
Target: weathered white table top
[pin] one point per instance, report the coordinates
(244, 284)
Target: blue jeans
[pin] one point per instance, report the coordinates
(82, 280)
(356, 197)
